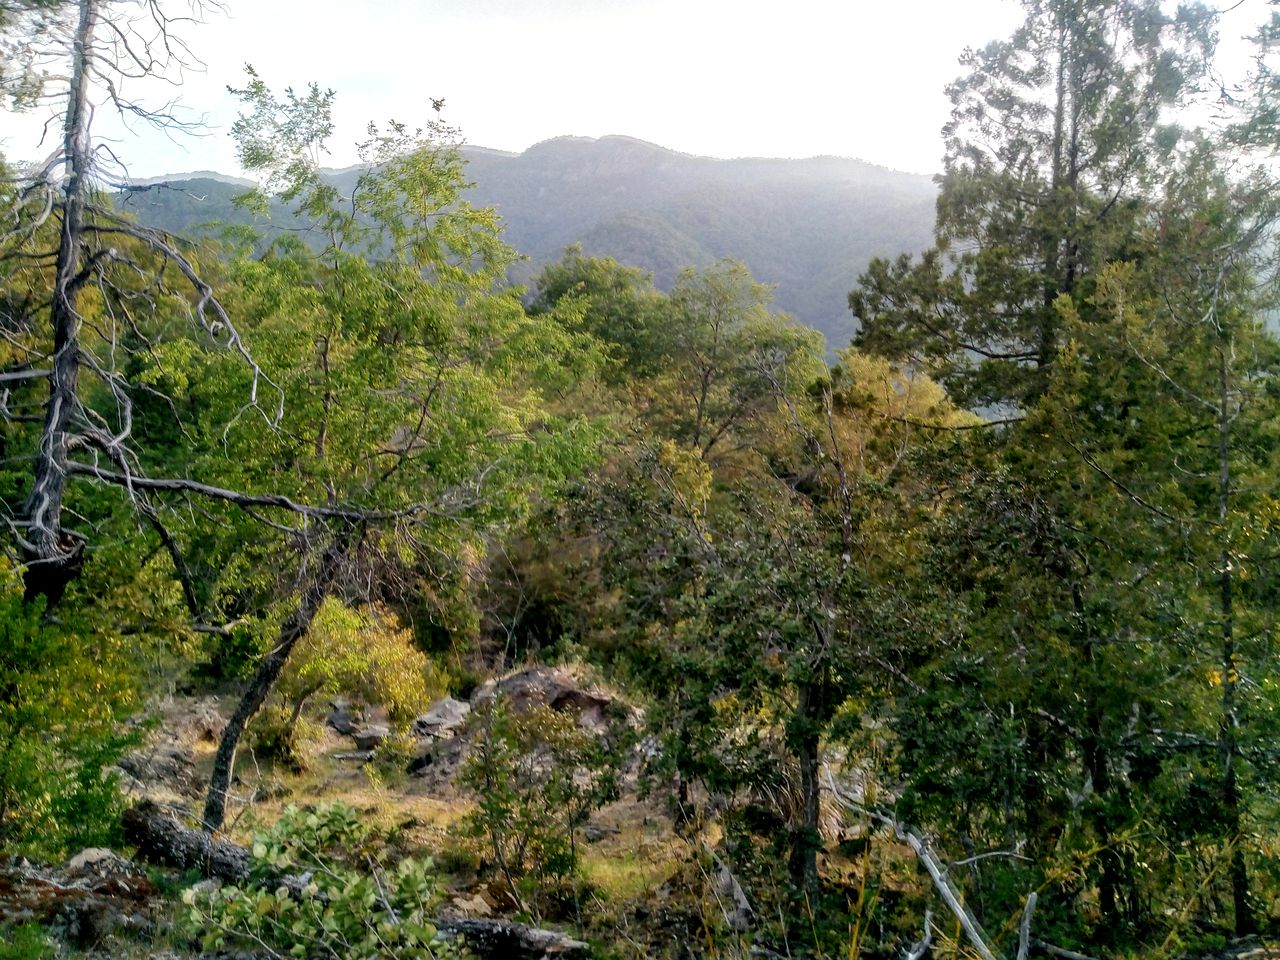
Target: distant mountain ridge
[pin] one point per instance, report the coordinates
(808, 226)
(193, 175)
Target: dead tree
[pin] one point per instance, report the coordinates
(59, 223)
(59, 220)
(62, 238)
(951, 895)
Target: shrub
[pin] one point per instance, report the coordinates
(363, 654)
(27, 941)
(63, 689)
(355, 907)
(276, 735)
(539, 777)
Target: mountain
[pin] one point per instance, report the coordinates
(808, 226)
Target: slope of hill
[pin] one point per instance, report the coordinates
(808, 226)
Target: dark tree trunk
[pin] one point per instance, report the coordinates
(161, 839)
(1099, 771)
(806, 836)
(1098, 767)
(291, 631)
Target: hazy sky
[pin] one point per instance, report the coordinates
(724, 78)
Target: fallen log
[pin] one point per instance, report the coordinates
(502, 938)
(162, 840)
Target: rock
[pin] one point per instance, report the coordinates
(166, 767)
(371, 737)
(201, 723)
(498, 896)
(100, 862)
(340, 719)
(86, 922)
(360, 756)
(553, 687)
(96, 894)
(273, 789)
(443, 717)
(436, 767)
(595, 832)
(475, 906)
(589, 708)
(485, 938)
(733, 899)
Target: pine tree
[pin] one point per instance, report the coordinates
(1057, 139)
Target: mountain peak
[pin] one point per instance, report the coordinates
(192, 175)
(809, 226)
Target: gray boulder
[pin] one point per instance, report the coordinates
(442, 718)
(370, 737)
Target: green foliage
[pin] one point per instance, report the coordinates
(25, 941)
(277, 736)
(708, 365)
(1093, 571)
(358, 905)
(361, 654)
(366, 654)
(618, 305)
(807, 226)
(1259, 123)
(418, 394)
(63, 692)
(1057, 137)
(538, 776)
(728, 361)
(1050, 635)
(756, 606)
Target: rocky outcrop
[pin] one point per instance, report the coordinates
(164, 771)
(341, 719)
(370, 736)
(557, 688)
(93, 896)
(448, 736)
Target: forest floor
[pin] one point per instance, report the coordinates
(645, 888)
(631, 858)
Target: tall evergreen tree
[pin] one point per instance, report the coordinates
(1057, 137)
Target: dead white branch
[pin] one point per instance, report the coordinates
(929, 860)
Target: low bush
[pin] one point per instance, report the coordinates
(360, 903)
(538, 777)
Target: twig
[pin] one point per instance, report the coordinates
(921, 946)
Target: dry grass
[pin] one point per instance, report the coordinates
(265, 791)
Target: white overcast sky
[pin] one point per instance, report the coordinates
(722, 78)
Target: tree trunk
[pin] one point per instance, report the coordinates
(53, 560)
(1046, 345)
(1098, 768)
(291, 631)
(1099, 771)
(806, 837)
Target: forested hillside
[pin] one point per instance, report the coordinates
(358, 605)
(806, 226)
